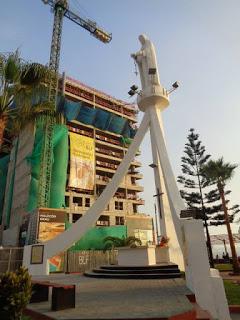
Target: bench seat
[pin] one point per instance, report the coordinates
(63, 296)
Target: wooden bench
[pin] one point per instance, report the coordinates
(63, 296)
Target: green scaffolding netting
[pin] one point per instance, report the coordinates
(3, 179)
(93, 239)
(117, 124)
(96, 117)
(69, 108)
(59, 167)
(87, 115)
(9, 195)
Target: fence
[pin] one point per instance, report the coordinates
(74, 261)
(10, 259)
(80, 261)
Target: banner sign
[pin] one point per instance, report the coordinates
(82, 162)
(50, 224)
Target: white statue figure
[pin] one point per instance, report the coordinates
(148, 69)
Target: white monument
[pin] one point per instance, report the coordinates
(187, 246)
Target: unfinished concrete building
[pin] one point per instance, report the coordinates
(93, 119)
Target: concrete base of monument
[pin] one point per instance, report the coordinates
(139, 263)
(162, 254)
(139, 256)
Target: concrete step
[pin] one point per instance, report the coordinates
(134, 271)
(132, 275)
(152, 267)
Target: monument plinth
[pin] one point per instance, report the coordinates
(139, 256)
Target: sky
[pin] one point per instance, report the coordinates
(197, 43)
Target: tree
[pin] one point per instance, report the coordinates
(9, 75)
(23, 94)
(195, 157)
(15, 293)
(219, 173)
(112, 242)
(215, 211)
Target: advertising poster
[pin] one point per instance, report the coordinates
(50, 224)
(82, 162)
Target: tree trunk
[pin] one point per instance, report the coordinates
(236, 267)
(2, 128)
(209, 245)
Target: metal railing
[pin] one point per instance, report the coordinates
(10, 258)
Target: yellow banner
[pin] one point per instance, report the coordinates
(82, 162)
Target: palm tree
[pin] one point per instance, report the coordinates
(23, 94)
(219, 172)
(112, 242)
(9, 75)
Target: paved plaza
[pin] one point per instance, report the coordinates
(119, 299)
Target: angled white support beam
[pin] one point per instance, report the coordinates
(172, 220)
(161, 196)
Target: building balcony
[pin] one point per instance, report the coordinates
(136, 175)
(139, 201)
(136, 163)
(135, 187)
(104, 169)
(134, 199)
(108, 139)
(116, 157)
(117, 147)
(101, 180)
(110, 165)
(107, 165)
(108, 152)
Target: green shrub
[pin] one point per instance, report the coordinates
(15, 293)
(113, 242)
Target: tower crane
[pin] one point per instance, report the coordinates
(61, 10)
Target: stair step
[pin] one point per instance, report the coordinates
(152, 267)
(133, 276)
(134, 271)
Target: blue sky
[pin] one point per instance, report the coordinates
(197, 43)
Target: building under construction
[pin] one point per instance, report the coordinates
(85, 155)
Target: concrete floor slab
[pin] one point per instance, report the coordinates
(120, 299)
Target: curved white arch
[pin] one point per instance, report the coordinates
(79, 228)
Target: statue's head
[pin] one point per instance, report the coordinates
(143, 38)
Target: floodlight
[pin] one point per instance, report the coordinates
(134, 87)
(131, 92)
(153, 165)
(175, 85)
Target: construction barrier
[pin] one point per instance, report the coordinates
(93, 239)
(59, 164)
(81, 261)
